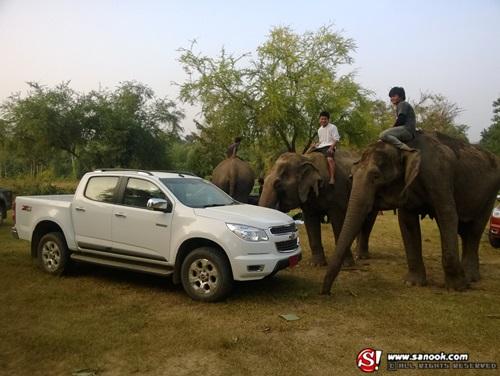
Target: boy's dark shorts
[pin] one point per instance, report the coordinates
(325, 152)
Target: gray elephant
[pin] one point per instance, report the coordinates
(448, 179)
(235, 177)
(302, 181)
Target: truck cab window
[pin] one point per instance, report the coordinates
(138, 192)
(101, 188)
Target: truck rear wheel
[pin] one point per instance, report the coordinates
(52, 253)
(206, 275)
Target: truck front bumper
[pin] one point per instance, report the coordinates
(253, 267)
(14, 233)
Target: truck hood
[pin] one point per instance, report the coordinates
(244, 214)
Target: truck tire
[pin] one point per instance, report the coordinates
(495, 242)
(52, 253)
(206, 275)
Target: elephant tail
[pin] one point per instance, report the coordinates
(233, 179)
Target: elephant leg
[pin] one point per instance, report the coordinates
(409, 225)
(447, 220)
(313, 226)
(364, 236)
(471, 233)
(337, 222)
(470, 257)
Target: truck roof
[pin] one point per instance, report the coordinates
(157, 173)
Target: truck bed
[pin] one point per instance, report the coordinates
(31, 210)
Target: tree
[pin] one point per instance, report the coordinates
(128, 127)
(43, 123)
(490, 138)
(273, 101)
(436, 113)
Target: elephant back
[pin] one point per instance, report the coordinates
(235, 177)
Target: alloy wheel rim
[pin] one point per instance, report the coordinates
(203, 276)
(51, 256)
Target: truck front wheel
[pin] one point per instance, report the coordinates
(53, 254)
(206, 275)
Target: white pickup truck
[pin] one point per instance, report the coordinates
(165, 223)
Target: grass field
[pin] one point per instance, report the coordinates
(110, 322)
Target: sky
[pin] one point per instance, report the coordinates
(442, 46)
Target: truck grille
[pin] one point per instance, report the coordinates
(287, 245)
(283, 229)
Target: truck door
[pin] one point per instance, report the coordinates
(92, 211)
(137, 230)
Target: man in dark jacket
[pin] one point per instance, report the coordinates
(403, 129)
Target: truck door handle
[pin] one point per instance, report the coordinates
(121, 215)
(80, 209)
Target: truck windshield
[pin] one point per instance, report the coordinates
(197, 193)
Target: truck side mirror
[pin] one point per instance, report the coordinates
(159, 204)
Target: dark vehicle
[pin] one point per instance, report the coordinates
(5, 203)
(494, 232)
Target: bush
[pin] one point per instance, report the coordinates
(41, 185)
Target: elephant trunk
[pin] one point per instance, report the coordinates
(268, 198)
(360, 204)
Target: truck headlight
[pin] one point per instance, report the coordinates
(249, 233)
(496, 213)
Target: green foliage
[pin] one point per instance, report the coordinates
(436, 113)
(60, 129)
(42, 184)
(490, 138)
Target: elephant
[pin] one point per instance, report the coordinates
(446, 178)
(235, 177)
(302, 181)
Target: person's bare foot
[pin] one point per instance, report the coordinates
(406, 148)
(332, 181)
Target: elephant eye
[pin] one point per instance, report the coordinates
(375, 175)
(277, 184)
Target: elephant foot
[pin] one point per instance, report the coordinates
(363, 255)
(318, 260)
(457, 282)
(415, 279)
(472, 274)
(348, 261)
(325, 291)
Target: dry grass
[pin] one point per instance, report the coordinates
(120, 323)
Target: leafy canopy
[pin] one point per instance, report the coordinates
(273, 97)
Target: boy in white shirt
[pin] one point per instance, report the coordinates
(328, 135)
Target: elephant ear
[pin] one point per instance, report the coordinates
(309, 178)
(411, 166)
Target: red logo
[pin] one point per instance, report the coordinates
(368, 360)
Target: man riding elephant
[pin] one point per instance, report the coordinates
(328, 136)
(403, 129)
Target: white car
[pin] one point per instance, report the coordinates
(166, 223)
